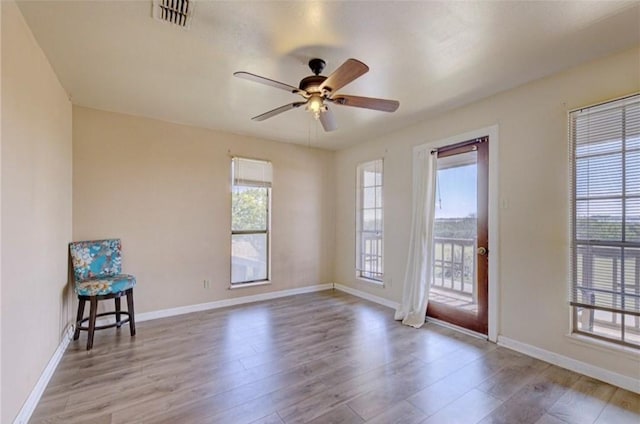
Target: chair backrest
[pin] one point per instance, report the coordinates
(95, 258)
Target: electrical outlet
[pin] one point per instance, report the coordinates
(207, 284)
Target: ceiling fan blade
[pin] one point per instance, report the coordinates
(347, 72)
(328, 120)
(267, 81)
(367, 102)
(277, 111)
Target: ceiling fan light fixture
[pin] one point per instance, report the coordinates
(315, 104)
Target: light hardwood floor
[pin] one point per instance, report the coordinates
(324, 357)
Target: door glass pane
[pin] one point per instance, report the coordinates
(248, 257)
(453, 280)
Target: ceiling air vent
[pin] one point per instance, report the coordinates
(177, 12)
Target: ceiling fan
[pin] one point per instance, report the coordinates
(318, 90)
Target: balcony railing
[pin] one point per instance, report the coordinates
(370, 255)
(454, 267)
(600, 273)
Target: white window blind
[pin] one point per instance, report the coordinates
(251, 172)
(605, 161)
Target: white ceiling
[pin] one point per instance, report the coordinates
(431, 56)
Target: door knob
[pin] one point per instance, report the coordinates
(482, 251)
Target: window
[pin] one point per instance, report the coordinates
(605, 162)
(250, 220)
(369, 249)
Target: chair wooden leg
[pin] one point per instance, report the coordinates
(132, 320)
(92, 321)
(118, 323)
(81, 302)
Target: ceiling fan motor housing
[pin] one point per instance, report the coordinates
(311, 84)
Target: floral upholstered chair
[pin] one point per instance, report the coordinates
(97, 271)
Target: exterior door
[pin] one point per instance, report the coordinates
(458, 293)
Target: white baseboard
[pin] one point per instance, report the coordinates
(628, 383)
(146, 316)
(371, 297)
(34, 397)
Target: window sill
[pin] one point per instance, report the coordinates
(368, 281)
(603, 346)
(244, 285)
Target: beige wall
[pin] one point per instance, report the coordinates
(533, 180)
(164, 189)
(36, 211)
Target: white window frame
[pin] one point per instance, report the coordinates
(365, 268)
(587, 292)
(252, 173)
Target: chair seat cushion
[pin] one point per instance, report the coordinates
(105, 285)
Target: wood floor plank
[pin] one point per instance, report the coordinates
(513, 377)
(533, 400)
(270, 419)
(339, 415)
(467, 409)
(549, 419)
(407, 383)
(217, 401)
(319, 357)
(342, 392)
(400, 413)
(624, 408)
(436, 396)
(583, 403)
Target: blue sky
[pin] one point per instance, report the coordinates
(456, 190)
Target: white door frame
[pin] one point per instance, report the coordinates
(494, 209)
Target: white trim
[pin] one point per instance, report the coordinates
(494, 234)
(370, 281)
(245, 285)
(146, 316)
(494, 211)
(364, 295)
(456, 328)
(36, 393)
(626, 382)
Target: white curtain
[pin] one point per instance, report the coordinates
(412, 311)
